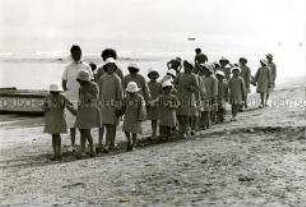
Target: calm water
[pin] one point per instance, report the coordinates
(38, 73)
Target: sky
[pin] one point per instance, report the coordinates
(27, 26)
(267, 19)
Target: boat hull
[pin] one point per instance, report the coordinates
(27, 102)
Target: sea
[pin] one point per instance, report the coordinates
(37, 68)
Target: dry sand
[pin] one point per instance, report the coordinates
(258, 161)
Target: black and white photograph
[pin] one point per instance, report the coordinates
(152, 103)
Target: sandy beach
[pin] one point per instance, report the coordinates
(257, 161)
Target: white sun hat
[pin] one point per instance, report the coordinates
(133, 65)
(264, 61)
(269, 55)
(223, 59)
(54, 88)
(219, 72)
(151, 70)
(172, 72)
(110, 60)
(132, 87)
(167, 83)
(208, 67)
(83, 75)
(228, 66)
(235, 68)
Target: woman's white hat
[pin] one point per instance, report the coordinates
(219, 72)
(54, 88)
(132, 87)
(110, 60)
(236, 68)
(172, 72)
(83, 75)
(167, 83)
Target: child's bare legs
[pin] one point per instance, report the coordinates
(221, 113)
(72, 135)
(246, 100)
(110, 136)
(206, 119)
(59, 144)
(90, 141)
(193, 124)
(56, 145)
(235, 108)
(262, 100)
(162, 132)
(134, 137)
(267, 98)
(86, 136)
(154, 128)
(82, 140)
(101, 134)
(183, 124)
(168, 132)
(129, 143)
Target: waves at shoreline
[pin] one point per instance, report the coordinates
(60, 58)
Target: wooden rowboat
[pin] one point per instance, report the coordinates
(18, 101)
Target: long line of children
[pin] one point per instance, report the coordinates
(181, 104)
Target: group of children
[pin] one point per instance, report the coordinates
(179, 105)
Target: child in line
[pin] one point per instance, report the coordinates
(236, 88)
(225, 67)
(273, 70)
(222, 96)
(264, 81)
(111, 96)
(155, 89)
(211, 88)
(88, 114)
(134, 76)
(170, 75)
(135, 114)
(55, 123)
(187, 88)
(203, 99)
(167, 111)
(196, 72)
(246, 75)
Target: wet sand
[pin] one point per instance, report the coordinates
(258, 161)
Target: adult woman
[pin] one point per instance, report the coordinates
(71, 86)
